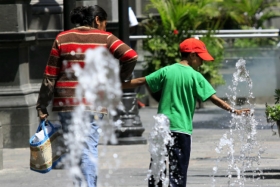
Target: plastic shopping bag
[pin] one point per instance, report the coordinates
(46, 147)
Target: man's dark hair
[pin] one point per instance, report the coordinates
(85, 15)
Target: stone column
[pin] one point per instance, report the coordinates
(17, 95)
(14, 15)
(1, 147)
(68, 6)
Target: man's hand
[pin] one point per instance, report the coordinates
(43, 116)
(134, 83)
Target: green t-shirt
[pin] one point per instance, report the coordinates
(181, 86)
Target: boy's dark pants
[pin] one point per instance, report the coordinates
(179, 156)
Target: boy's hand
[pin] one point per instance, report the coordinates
(243, 111)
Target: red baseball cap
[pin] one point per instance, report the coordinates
(192, 45)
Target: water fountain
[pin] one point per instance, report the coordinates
(99, 85)
(158, 140)
(239, 144)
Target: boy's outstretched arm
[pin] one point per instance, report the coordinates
(134, 83)
(222, 104)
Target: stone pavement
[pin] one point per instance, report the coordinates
(127, 165)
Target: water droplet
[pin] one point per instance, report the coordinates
(115, 155)
(72, 53)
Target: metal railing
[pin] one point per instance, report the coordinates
(260, 33)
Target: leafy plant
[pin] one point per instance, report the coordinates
(277, 96)
(273, 112)
(249, 13)
(179, 19)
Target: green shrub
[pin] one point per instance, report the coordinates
(179, 19)
(273, 112)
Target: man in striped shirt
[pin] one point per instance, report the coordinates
(69, 48)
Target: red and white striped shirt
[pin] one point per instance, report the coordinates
(69, 48)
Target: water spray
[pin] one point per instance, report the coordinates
(98, 86)
(159, 138)
(243, 151)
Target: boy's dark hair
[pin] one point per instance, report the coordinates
(185, 54)
(85, 15)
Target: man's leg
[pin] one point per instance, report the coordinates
(179, 156)
(89, 158)
(90, 153)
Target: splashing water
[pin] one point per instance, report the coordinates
(99, 85)
(240, 143)
(158, 140)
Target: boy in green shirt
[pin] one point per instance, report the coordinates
(181, 86)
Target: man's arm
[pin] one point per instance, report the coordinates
(45, 96)
(222, 104)
(50, 76)
(134, 83)
(126, 55)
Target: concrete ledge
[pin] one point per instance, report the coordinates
(17, 36)
(28, 36)
(13, 1)
(1, 147)
(18, 121)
